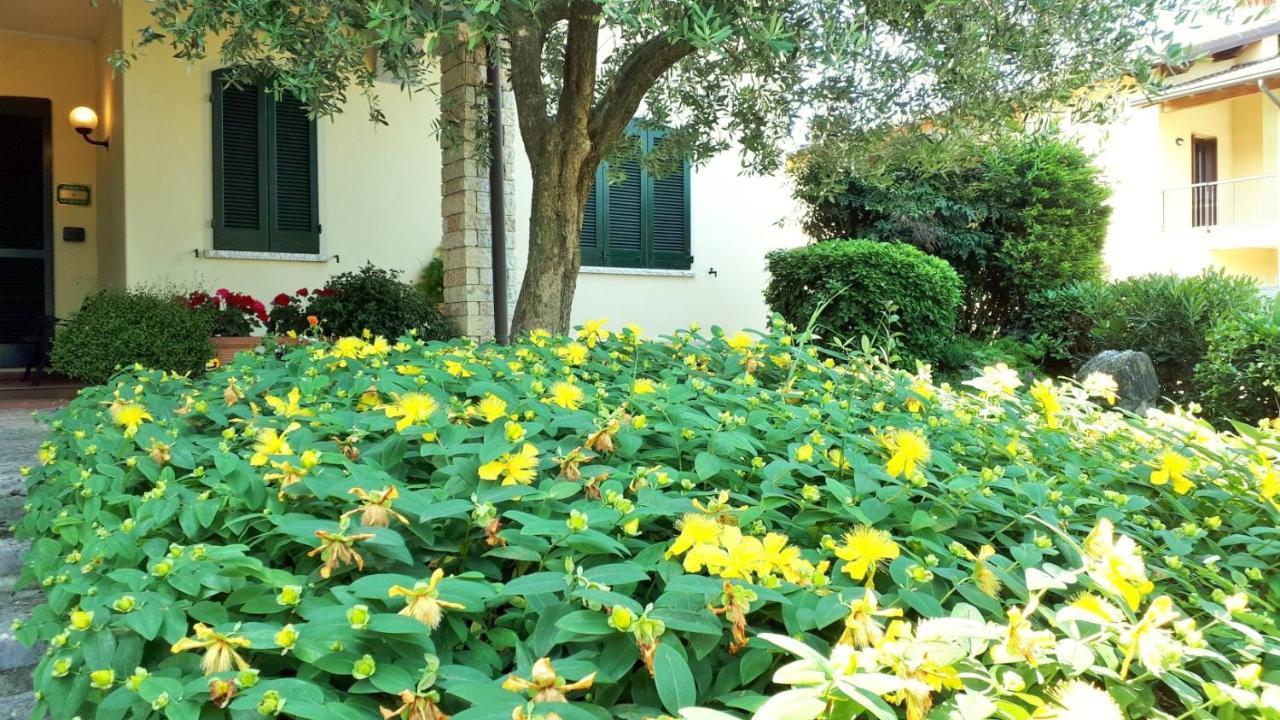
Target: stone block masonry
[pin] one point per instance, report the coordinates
(466, 242)
(20, 437)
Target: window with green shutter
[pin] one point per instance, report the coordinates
(642, 222)
(264, 171)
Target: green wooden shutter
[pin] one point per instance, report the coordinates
(240, 168)
(668, 214)
(625, 219)
(589, 240)
(295, 224)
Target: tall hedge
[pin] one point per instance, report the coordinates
(859, 288)
(1013, 214)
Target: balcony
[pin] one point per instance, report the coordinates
(1225, 203)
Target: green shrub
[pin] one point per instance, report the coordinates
(113, 329)
(1239, 377)
(1166, 316)
(431, 282)
(370, 524)
(861, 288)
(376, 300)
(1014, 214)
(967, 353)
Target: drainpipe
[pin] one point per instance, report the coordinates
(497, 194)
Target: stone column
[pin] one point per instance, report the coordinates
(466, 243)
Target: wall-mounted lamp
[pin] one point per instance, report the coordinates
(1179, 142)
(85, 121)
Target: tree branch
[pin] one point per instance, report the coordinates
(527, 39)
(648, 62)
(573, 114)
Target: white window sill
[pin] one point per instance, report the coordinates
(255, 255)
(645, 272)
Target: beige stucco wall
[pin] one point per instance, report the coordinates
(1141, 158)
(379, 194)
(736, 219)
(66, 72)
(111, 181)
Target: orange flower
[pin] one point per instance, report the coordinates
(312, 320)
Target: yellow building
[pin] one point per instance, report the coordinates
(177, 196)
(1194, 168)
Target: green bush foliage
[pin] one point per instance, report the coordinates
(1014, 213)
(968, 354)
(1166, 316)
(116, 328)
(375, 299)
(612, 527)
(1239, 377)
(862, 288)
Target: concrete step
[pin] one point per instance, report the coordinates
(11, 553)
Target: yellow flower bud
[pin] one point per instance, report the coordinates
(102, 679)
(124, 604)
(358, 616)
(364, 667)
(286, 637)
(81, 619)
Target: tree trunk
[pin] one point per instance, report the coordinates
(555, 221)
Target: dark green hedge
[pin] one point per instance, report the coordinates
(1239, 376)
(858, 288)
(116, 328)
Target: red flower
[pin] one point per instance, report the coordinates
(326, 292)
(302, 292)
(281, 300)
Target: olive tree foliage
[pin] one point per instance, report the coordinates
(719, 73)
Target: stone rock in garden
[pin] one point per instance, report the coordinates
(1139, 388)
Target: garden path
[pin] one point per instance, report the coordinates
(20, 437)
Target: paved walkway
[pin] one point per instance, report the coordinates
(20, 437)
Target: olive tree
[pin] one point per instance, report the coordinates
(718, 73)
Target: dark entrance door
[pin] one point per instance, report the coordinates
(26, 224)
(1204, 181)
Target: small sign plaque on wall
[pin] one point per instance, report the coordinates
(75, 195)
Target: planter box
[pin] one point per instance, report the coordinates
(225, 348)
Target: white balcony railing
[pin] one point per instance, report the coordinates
(1225, 202)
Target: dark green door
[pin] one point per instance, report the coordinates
(26, 225)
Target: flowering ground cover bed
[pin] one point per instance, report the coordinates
(608, 526)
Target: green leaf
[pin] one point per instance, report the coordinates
(585, 622)
(706, 465)
(673, 679)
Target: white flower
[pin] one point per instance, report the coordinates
(1078, 700)
(998, 380)
(1101, 385)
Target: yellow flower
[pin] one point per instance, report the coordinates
(1046, 395)
(1091, 608)
(861, 628)
(422, 601)
(567, 395)
(514, 468)
(996, 380)
(456, 369)
(409, 370)
(804, 453)
(593, 331)
(412, 409)
(1173, 467)
(513, 431)
(740, 341)
(130, 416)
(573, 353)
(291, 407)
(348, 347)
(219, 650)
(492, 407)
(909, 448)
(745, 555)
(863, 550)
(780, 557)
(699, 542)
(643, 386)
(1116, 565)
(270, 442)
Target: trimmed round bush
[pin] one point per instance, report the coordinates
(611, 527)
(1239, 377)
(861, 288)
(374, 299)
(116, 328)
